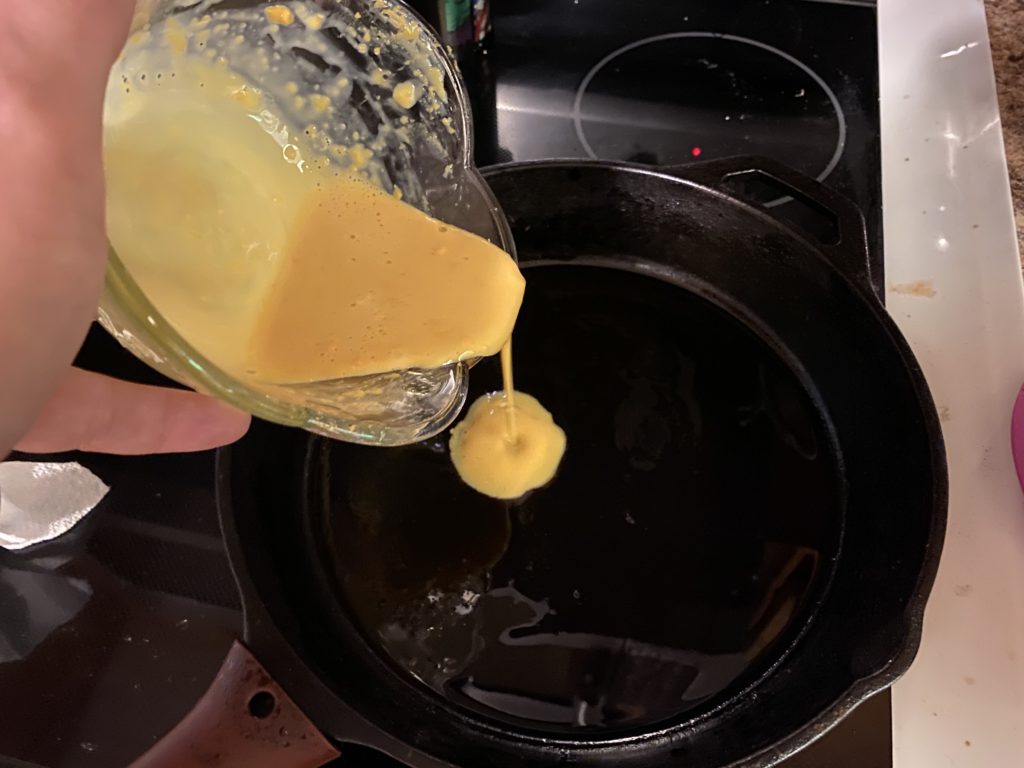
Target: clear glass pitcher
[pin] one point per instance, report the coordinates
(427, 155)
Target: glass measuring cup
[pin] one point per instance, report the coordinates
(424, 152)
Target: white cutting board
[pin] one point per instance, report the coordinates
(949, 228)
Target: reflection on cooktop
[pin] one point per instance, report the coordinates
(725, 92)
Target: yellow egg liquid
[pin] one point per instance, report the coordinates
(281, 267)
(280, 270)
(369, 284)
(508, 443)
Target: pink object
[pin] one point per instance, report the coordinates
(1017, 435)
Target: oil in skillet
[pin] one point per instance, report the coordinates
(693, 519)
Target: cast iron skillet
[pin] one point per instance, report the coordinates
(812, 303)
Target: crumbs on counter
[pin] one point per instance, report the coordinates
(922, 288)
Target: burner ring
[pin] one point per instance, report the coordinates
(577, 107)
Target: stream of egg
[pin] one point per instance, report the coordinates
(281, 266)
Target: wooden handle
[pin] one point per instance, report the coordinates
(244, 720)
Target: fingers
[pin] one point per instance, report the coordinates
(91, 412)
(42, 44)
(54, 61)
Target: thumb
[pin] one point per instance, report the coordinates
(92, 412)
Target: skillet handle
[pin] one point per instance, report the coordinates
(848, 253)
(244, 720)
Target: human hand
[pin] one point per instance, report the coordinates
(54, 60)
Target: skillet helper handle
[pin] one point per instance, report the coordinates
(849, 253)
(244, 720)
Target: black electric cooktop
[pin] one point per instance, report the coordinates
(670, 82)
(110, 634)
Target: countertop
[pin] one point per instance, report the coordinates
(949, 220)
(1006, 29)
